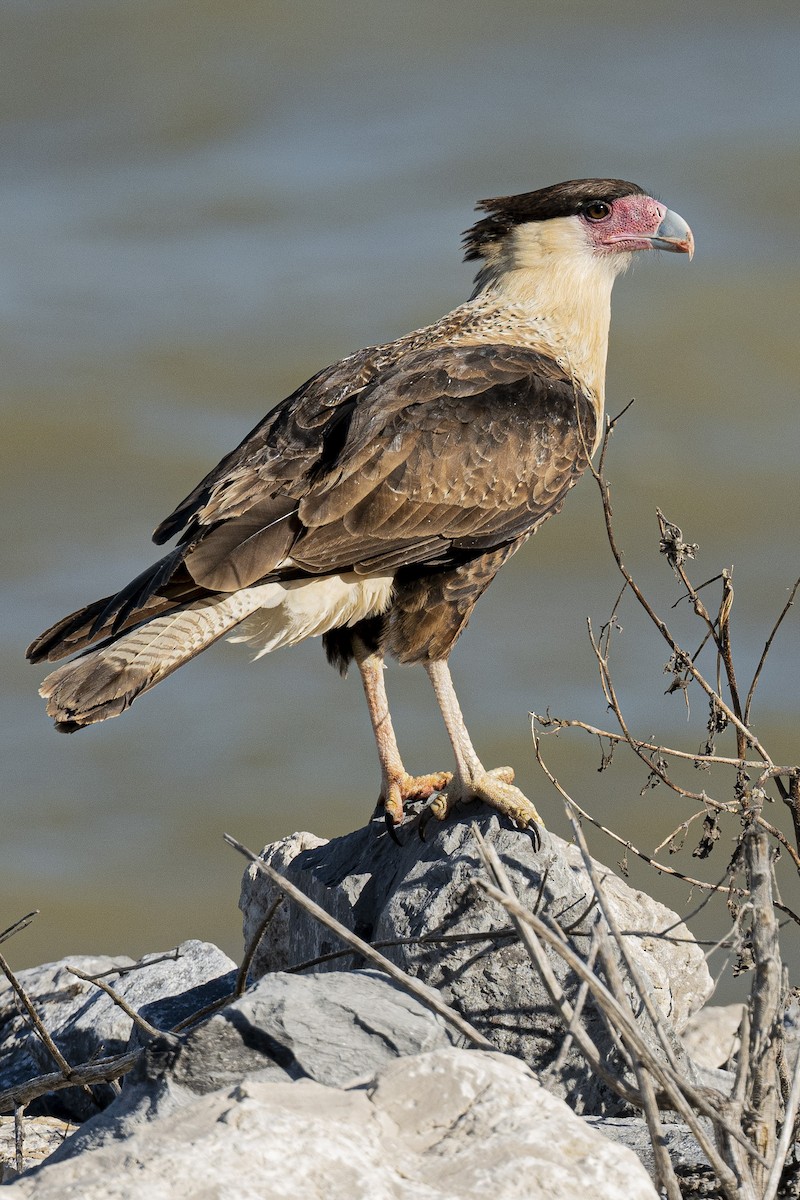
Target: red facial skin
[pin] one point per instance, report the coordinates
(636, 223)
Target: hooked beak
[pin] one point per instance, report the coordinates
(673, 234)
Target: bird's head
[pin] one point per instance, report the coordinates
(550, 259)
(600, 222)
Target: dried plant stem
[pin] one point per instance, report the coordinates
(678, 1093)
(547, 721)
(19, 1138)
(255, 942)
(18, 926)
(662, 867)
(766, 1002)
(122, 1003)
(735, 720)
(787, 1136)
(656, 769)
(626, 842)
(148, 961)
(580, 1003)
(36, 1021)
(427, 939)
(84, 1075)
(639, 747)
(682, 1095)
(767, 647)
(651, 1009)
(666, 1179)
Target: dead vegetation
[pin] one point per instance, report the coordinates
(753, 1150)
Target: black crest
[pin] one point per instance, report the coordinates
(560, 200)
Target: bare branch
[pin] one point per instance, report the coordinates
(580, 1002)
(84, 1075)
(662, 868)
(120, 1002)
(770, 771)
(681, 1095)
(255, 942)
(552, 725)
(642, 991)
(660, 624)
(527, 932)
(426, 939)
(18, 926)
(787, 1136)
(19, 1139)
(36, 1021)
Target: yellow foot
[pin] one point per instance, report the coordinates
(401, 789)
(494, 788)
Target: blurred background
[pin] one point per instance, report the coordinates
(202, 205)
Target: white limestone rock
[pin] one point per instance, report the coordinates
(712, 1035)
(451, 1124)
(329, 1028)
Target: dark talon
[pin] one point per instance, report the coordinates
(533, 829)
(391, 829)
(424, 820)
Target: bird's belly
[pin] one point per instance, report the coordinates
(290, 612)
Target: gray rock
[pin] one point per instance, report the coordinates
(447, 1125)
(684, 1152)
(83, 1021)
(712, 1035)
(331, 1028)
(278, 949)
(424, 889)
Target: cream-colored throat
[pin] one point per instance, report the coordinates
(556, 285)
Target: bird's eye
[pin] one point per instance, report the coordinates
(597, 210)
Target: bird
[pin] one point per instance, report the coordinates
(375, 504)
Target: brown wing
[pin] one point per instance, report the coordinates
(451, 449)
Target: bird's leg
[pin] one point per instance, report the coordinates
(472, 781)
(397, 785)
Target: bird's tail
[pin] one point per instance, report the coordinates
(104, 681)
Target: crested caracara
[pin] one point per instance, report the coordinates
(375, 504)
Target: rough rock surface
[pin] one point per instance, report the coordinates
(83, 1021)
(331, 1028)
(712, 1034)
(633, 1133)
(41, 1136)
(424, 889)
(443, 1125)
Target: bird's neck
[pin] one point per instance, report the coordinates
(557, 303)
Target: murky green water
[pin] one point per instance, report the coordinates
(203, 204)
